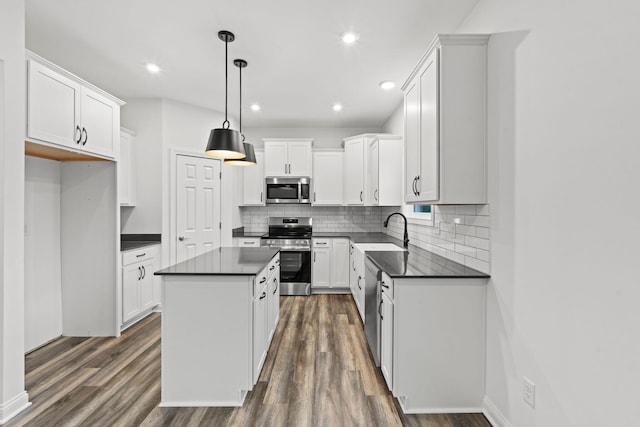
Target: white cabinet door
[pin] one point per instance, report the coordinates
(386, 339)
(146, 285)
(274, 303)
(389, 173)
(300, 163)
(99, 126)
(260, 313)
(340, 263)
(352, 271)
(327, 180)
(247, 242)
(359, 279)
(131, 275)
(253, 182)
(354, 171)
(321, 268)
(276, 158)
(412, 140)
(126, 172)
(53, 106)
(428, 178)
(372, 188)
(446, 122)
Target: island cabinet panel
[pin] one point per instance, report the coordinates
(206, 340)
(437, 332)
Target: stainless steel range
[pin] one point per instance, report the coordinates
(293, 237)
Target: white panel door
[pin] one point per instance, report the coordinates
(197, 207)
(412, 141)
(340, 263)
(373, 188)
(131, 275)
(321, 268)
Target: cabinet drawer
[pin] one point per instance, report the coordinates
(247, 242)
(140, 254)
(260, 280)
(387, 285)
(321, 243)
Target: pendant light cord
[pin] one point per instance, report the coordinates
(225, 124)
(241, 104)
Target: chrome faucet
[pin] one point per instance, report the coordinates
(406, 235)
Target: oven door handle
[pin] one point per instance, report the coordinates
(306, 249)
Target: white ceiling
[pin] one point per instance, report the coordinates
(298, 66)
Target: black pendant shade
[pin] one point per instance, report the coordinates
(250, 160)
(223, 142)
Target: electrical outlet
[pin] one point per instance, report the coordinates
(456, 221)
(529, 392)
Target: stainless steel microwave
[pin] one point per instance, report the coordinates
(288, 190)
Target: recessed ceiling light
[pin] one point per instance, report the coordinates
(255, 107)
(349, 38)
(387, 84)
(337, 107)
(153, 68)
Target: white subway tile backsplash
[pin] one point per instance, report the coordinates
(470, 245)
(465, 210)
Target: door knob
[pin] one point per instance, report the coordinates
(182, 238)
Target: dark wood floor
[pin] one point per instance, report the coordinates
(318, 372)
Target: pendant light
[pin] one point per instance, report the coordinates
(250, 160)
(223, 142)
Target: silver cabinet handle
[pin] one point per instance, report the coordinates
(314, 196)
(141, 255)
(359, 278)
(144, 272)
(384, 286)
(263, 296)
(275, 288)
(181, 238)
(417, 184)
(380, 310)
(261, 197)
(79, 132)
(264, 279)
(139, 272)
(361, 196)
(314, 256)
(375, 195)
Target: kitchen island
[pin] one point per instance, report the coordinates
(219, 314)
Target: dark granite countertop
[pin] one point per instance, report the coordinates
(135, 241)
(223, 261)
(239, 232)
(420, 263)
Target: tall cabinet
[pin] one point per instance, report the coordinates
(445, 107)
(77, 124)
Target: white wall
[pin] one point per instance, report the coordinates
(395, 122)
(564, 102)
(13, 396)
(162, 126)
(144, 116)
(322, 137)
(42, 281)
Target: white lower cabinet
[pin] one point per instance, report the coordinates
(139, 295)
(443, 370)
(266, 312)
(386, 330)
(356, 278)
(260, 320)
(329, 270)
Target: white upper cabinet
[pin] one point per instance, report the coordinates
(66, 111)
(253, 182)
(328, 178)
(287, 157)
(354, 169)
(383, 186)
(445, 123)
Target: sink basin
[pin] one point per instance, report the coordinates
(378, 247)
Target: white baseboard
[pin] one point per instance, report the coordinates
(13, 407)
(493, 414)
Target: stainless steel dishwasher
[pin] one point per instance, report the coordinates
(372, 297)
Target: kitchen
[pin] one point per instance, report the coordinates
(557, 135)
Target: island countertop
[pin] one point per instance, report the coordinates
(223, 261)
